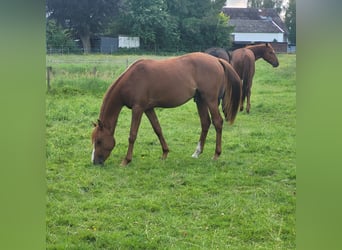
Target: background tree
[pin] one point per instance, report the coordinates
(149, 20)
(223, 36)
(57, 37)
(276, 4)
(290, 20)
(168, 25)
(200, 23)
(174, 24)
(84, 18)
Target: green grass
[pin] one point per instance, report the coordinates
(244, 200)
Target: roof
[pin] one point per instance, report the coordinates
(255, 20)
(241, 13)
(254, 26)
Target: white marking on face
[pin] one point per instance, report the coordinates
(197, 151)
(93, 154)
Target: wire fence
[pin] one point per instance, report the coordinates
(78, 50)
(67, 50)
(65, 69)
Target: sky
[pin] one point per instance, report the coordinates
(242, 3)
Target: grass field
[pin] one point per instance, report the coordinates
(244, 200)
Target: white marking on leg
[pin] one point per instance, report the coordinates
(93, 154)
(197, 151)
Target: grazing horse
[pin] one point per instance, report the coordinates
(147, 84)
(218, 52)
(243, 61)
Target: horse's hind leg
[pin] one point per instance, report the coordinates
(249, 89)
(243, 96)
(205, 124)
(218, 123)
(248, 94)
(136, 119)
(248, 106)
(157, 129)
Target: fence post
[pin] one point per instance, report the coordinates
(48, 73)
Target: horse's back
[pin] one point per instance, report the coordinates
(242, 54)
(186, 68)
(170, 82)
(218, 52)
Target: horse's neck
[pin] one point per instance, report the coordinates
(110, 110)
(258, 51)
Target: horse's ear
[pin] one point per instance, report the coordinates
(267, 44)
(100, 124)
(94, 124)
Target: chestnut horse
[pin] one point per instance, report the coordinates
(243, 61)
(218, 52)
(147, 84)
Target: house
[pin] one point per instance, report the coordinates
(109, 45)
(128, 42)
(236, 3)
(102, 44)
(252, 25)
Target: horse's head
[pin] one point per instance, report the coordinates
(270, 55)
(103, 143)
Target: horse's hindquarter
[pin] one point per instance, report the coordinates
(243, 60)
(210, 77)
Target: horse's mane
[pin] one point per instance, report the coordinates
(258, 45)
(115, 84)
(126, 70)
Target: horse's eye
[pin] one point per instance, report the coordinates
(98, 142)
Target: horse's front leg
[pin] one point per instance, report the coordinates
(135, 122)
(205, 124)
(151, 115)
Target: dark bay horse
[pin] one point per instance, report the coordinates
(147, 84)
(218, 52)
(243, 61)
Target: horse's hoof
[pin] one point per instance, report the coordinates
(164, 156)
(195, 155)
(124, 163)
(216, 156)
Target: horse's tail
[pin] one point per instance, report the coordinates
(232, 92)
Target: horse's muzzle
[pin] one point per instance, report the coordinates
(98, 161)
